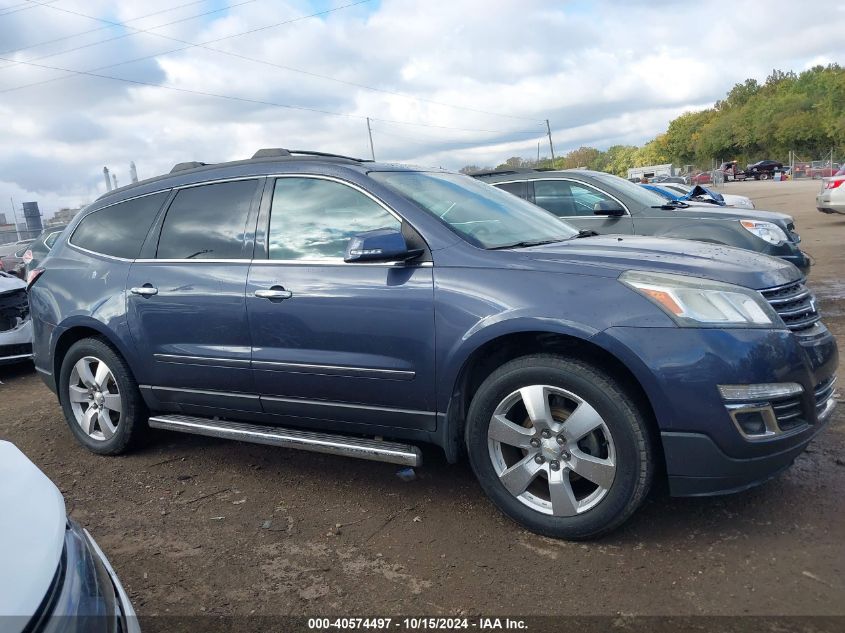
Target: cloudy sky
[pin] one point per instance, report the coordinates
(88, 83)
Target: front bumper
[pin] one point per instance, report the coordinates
(16, 344)
(680, 368)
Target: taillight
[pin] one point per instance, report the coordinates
(33, 276)
(27, 256)
(833, 184)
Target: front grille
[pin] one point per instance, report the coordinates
(13, 305)
(795, 304)
(823, 392)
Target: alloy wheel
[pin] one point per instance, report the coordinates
(95, 398)
(551, 450)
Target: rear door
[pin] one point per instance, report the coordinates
(185, 300)
(340, 343)
(573, 201)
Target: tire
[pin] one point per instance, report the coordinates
(617, 453)
(764, 176)
(102, 406)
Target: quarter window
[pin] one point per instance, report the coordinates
(565, 198)
(118, 230)
(312, 218)
(207, 222)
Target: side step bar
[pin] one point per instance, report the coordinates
(331, 444)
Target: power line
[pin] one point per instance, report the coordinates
(125, 35)
(347, 115)
(24, 7)
(100, 28)
(204, 45)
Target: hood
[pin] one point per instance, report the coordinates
(633, 252)
(9, 283)
(32, 532)
(728, 213)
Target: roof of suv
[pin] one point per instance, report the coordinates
(263, 162)
(500, 175)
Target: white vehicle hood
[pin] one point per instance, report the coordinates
(8, 283)
(32, 532)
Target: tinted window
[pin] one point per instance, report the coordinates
(118, 230)
(516, 188)
(313, 218)
(207, 222)
(567, 198)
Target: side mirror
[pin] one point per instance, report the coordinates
(380, 245)
(608, 207)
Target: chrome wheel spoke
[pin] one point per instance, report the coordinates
(564, 503)
(101, 378)
(78, 394)
(519, 476)
(112, 402)
(106, 425)
(83, 370)
(600, 471)
(580, 422)
(536, 401)
(503, 430)
(88, 420)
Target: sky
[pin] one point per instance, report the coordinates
(92, 83)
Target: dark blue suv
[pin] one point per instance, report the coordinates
(349, 307)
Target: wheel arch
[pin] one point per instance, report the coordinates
(78, 330)
(499, 349)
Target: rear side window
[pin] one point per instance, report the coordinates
(207, 222)
(118, 230)
(516, 188)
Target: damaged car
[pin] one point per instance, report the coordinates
(15, 325)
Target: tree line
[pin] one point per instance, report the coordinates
(803, 113)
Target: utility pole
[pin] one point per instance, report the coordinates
(370, 132)
(551, 145)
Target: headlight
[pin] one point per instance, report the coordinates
(772, 233)
(697, 302)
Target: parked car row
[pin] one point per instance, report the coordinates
(349, 307)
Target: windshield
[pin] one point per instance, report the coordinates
(480, 213)
(641, 195)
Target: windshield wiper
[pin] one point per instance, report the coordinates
(672, 204)
(526, 244)
(586, 233)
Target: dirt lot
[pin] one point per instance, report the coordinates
(196, 525)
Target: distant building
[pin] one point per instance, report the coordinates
(63, 216)
(651, 171)
(3, 219)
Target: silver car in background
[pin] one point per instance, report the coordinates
(15, 324)
(831, 198)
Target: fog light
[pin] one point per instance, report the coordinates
(751, 422)
(760, 391)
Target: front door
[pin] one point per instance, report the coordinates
(573, 201)
(341, 344)
(186, 307)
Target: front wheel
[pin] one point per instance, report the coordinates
(559, 446)
(764, 176)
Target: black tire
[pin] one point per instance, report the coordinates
(764, 176)
(132, 418)
(628, 427)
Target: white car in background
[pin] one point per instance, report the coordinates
(53, 576)
(731, 200)
(831, 198)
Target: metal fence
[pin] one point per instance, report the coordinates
(10, 237)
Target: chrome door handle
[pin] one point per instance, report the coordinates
(276, 293)
(144, 291)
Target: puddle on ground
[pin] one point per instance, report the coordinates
(831, 297)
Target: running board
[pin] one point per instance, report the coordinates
(363, 448)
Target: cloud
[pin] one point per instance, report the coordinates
(484, 76)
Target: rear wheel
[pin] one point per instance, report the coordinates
(764, 176)
(100, 398)
(559, 446)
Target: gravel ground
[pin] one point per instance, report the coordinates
(202, 526)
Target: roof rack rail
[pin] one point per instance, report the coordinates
(187, 165)
(281, 152)
(268, 152)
